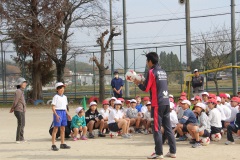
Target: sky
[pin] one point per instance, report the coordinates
(158, 33)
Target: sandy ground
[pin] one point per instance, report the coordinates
(39, 143)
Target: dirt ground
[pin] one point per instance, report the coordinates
(140, 146)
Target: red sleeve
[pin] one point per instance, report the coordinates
(150, 80)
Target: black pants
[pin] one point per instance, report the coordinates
(161, 117)
(231, 128)
(21, 124)
(117, 95)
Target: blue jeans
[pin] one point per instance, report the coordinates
(161, 117)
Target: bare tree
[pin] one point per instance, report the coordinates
(72, 13)
(101, 64)
(26, 22)
(215, 50)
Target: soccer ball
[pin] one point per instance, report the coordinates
(205, 141)
(130, 75)
(113, 134)
(216, 137)
(140, 77)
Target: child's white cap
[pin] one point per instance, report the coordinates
(148, 103)
(78, 109)
(228, 95)
(170, 95)
(205, 93)
(218, 99)
(58, 84)
(201, 105)
(117, 102)
(113, 98)
(186, 102)
(133, 101)
(171, 105)
(93, 104)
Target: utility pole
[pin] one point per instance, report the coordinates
(111, 26)
(125, 48)
(188, 35)
(233, 41)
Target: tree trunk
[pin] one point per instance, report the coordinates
(216, 85)
(60, 72)
(101, 84)
(36, 76)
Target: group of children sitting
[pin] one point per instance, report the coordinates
(207, 115)
(113, 116)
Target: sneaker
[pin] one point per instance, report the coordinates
(125, 136)
(54, 148)
(90, 135)
(155, 156)
(138, 131)
(75, 139)
(83, 138)
(145, 132)
(100, 134)
(18, 142)
(229, 142)
(182, 138)
(192, 141)
(196, 145)
(64, 146)
(171, 155)
(130, 135)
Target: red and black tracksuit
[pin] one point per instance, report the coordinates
(156, 83)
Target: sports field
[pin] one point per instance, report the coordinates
(38, 121)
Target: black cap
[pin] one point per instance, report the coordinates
(115, 72)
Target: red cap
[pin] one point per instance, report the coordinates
(235, 99)
(212, 101)
(182, 98)
(222, 95)
(105, 102)
(171, 100)
(146, 99)
(121, 99)
(183, 94)
(197, 98)
(127, 101)
(212, 96)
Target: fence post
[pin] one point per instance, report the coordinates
(75, 78)
(94, 77)
(182, 78)
(134, 66)
(205, 64)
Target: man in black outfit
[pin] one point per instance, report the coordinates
(156, 83)
(197, 83)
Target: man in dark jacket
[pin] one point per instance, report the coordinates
(156, 83)
(197, 83)
(117, 85)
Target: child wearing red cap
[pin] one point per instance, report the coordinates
(214, 117)
(234, 128)
(179, 109)
(234, 110)
(146, 120)
(104, 111)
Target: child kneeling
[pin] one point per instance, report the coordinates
(79, 124)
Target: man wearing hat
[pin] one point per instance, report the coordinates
(117, 85)
(197, 83)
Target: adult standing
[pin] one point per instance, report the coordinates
(197, 83)
(19, 109)
(117, 85)
(156, 83)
